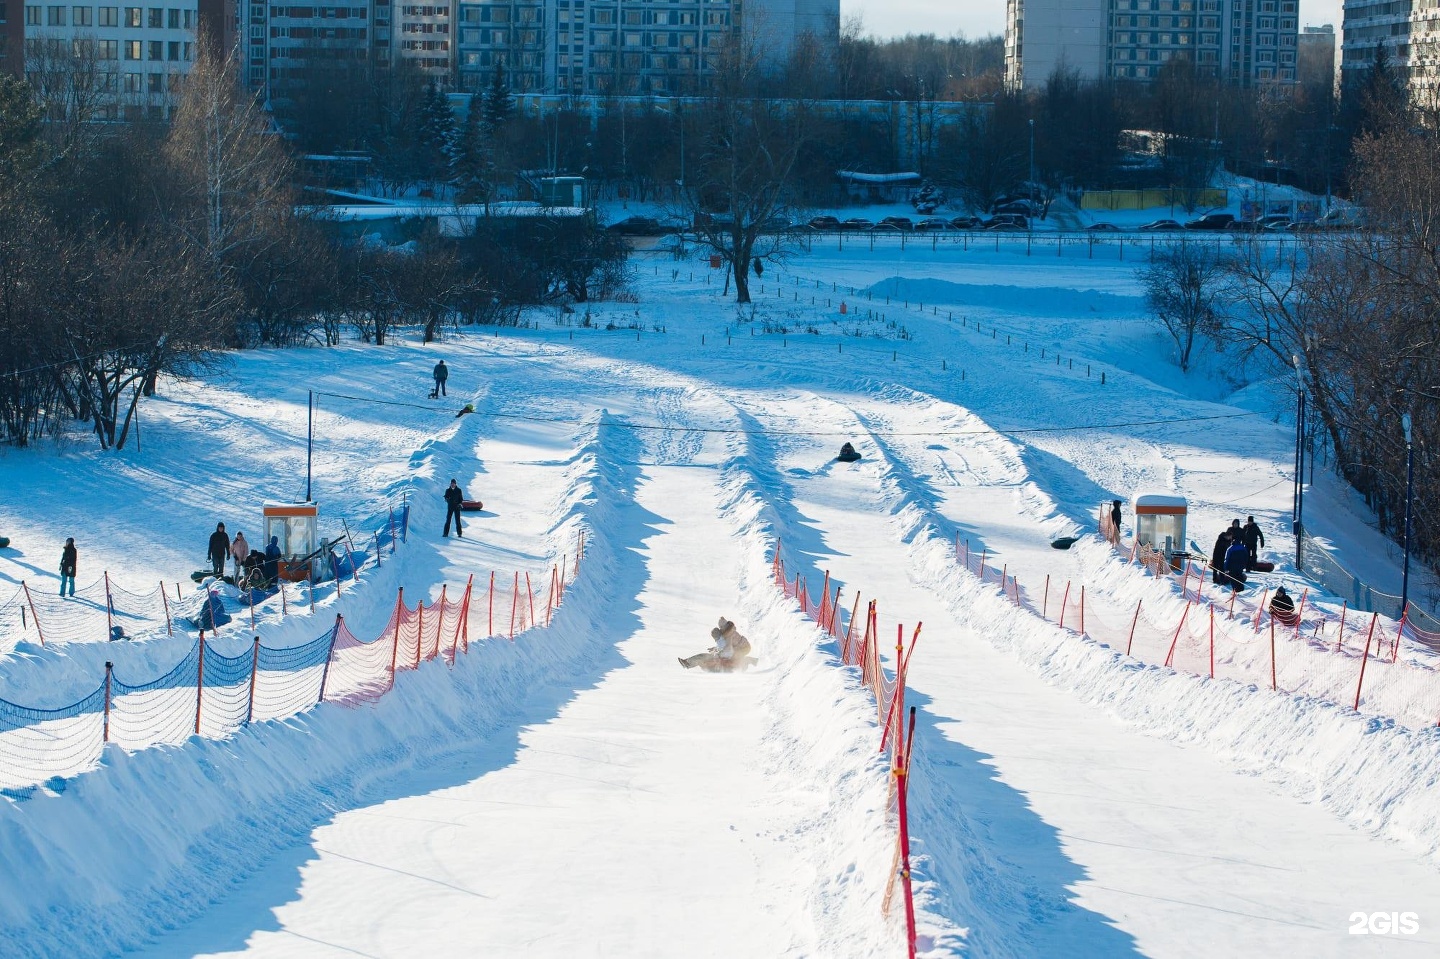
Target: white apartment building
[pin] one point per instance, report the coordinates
(623, 46)
(129, 59)
(1244, 41)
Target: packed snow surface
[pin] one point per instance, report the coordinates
(576, 792)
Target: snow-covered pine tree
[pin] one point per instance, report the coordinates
(499, 104)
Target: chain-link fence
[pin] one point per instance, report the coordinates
(1317, 564)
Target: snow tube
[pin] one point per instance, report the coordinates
(471, 506)
(1064, 542)
(4, 541)
(1264, 566)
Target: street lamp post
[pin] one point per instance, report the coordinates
(1299, 498)
(1409, 498)
(1032, 153)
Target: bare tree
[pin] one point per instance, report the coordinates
(1182, 283)
(740, 188)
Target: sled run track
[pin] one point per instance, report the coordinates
(579, 794)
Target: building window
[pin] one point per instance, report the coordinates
(132, 50)
(157, 50)
(157, 18)
(109, 16)
(188, 50)
(172, 19)
(107, 49)
(190, 19)
(82, 16)
(55, 16)
(157, 83)
(172, 50)
(132, 82)
(132, 17)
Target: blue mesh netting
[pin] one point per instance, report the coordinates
(296, 658)
(183, 674)
(226, 670)
(15, 716)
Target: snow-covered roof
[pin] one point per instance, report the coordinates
(1159, 503)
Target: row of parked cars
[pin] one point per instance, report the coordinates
(1227, 222)
(929, 224)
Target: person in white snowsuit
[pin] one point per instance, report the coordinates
(730, 652)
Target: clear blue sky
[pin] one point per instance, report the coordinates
(978, 17)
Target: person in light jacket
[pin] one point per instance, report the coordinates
(239, 549)
(730, 652)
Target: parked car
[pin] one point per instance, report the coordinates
(887, 228)
(1342, 218)
(899, 222)
(1103, 228)
(1277, 224)
(965, 223)
(857, 223)
(937, 223)
(824, 223)
(638, 226)
(1023, 207)
(1155, 226)
(775, 224)
(1008, 219)
(1212, 221)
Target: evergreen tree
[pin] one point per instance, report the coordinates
(499, 105)
(474, 164)
(437, 135)
(19, 127)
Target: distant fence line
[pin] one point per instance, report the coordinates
(1149, 199)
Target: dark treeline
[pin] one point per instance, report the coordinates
(1176, 131)
(131, 251)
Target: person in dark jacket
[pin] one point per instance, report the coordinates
(1254, 539)
(68, 558)
(1217, 557)
(1282, 607)
(454, 496)
(219, 549)
(1115, 517)
(272, 561)
(1237, 557)
(442, 373)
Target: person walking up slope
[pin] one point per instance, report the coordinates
(68, 557)
(454, 496)
(219, 549)
(442, 373)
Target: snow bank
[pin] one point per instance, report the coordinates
(1374, 774)
(149, 840)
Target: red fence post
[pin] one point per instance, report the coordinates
(1261, 608)
(514, 602)
(1063, 603)
(330, 656)
(399, 618)
(530, 597)
(109, 608)
(1395, 648)
(199, 684)
(419, 631)
(1212, 638)
(1133, 620)
(561, 591)
(166, 604)
(902, 772)
(254, 668)
(252, 610)
(1045, 602)
(284, 606)
(1171, 654)
(459, 623)
(1340, 637)
(1082, 609)
(312, 588)
(983, 553)
(109, 668)
(1369, 636)
(492, 604)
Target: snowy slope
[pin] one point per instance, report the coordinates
(578, 793)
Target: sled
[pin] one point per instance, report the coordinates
(1064, 542)
(1264, 566)
(200, 575)
(471, 506)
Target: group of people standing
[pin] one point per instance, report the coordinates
(1236, 553)
(266, 564)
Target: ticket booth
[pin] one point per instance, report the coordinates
(1160, 523)
(295, 525)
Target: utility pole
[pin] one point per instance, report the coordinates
(1409, 499)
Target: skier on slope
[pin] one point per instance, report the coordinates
(729, 653)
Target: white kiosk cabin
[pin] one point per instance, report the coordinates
(294, 524)
(1160, 522)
